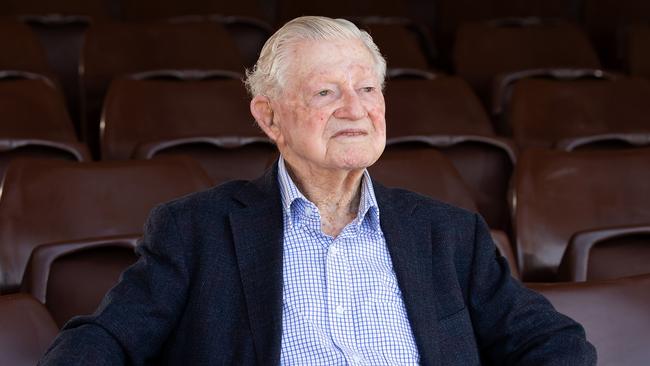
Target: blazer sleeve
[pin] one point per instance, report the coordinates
(137, 315)
(515, 325)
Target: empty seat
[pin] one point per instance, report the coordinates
(404, 43)
(614, 314)
(559, 194)
(21, 50)
(35, 121)
(607, 253)
(449, 14)
(483, 50)
(445, 105)
(71, 278)
(46, 201)
(445, 113)
(637, 50)
(209, 119)
(605, 19)
(138, 47)
(423, 169)
(26, 330)
(249, 34)
(569, 114)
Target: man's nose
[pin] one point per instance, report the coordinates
(352, 108)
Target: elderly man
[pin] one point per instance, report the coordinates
(314, 263)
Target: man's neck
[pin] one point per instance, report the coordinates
(337, 195)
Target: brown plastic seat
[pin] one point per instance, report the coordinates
(604, 20)
(71, 278)
(248, 33)
(404, 42)
(26, 330)
(576, 114)
(445, 105)
(449, 14)
(614, 314)
(607, 253)
(21, 49)
(558, 195)
(423, 169)
(204, 117)
(637, 50)
(35, 121)
(484, 50)
(46, 201)
(138, 47)
(445, 113)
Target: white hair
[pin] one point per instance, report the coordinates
(267, 77)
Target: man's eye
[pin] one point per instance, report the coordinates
(368, 89)
(323, 93)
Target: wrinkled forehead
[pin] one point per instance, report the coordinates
(325, 60)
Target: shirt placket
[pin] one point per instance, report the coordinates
(340, 301)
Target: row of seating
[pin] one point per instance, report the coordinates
(617, 321)
(573, 217)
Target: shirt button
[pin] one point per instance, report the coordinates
(357, 358)
(334, 250)
(308, 211)
(339, 309)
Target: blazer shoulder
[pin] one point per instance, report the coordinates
(427, 205)
(213, 200)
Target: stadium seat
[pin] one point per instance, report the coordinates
(198, 114)
(71, 278)
(139, 47)
(558, 195)
(572, 114)
(484, 50)
(26, 330)
(35, 121)
(614, 314)
(46, 200)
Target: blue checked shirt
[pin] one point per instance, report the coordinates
(341, 301)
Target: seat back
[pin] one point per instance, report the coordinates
(21, 49)
(442, 106)
(35, 122)
(71, 278)
(614, 314)
(26, 330)
(422, 169)
(483, 50)
(559, 194)
(137, 112)
(45, 201)
(553, 113)
(138, 47)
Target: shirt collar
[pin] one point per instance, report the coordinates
(367, 214)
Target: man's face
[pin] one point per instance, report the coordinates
(330, 112)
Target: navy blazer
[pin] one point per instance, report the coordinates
(207, 289)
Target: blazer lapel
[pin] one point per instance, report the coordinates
(257, 231)
(408, 236)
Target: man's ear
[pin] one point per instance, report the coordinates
(263, 113)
